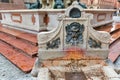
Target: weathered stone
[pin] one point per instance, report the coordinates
(72, 33)
(65, 73)
(44, 74)
(44, 55)
(110, 73)
(75, 76)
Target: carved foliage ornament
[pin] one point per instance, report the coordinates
(93, 43)
(53, 44)
(74, 33)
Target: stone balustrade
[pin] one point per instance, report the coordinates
(33, 20)
(47, 19)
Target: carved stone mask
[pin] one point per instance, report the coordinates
(74, 33)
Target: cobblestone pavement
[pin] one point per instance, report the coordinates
(8, 71)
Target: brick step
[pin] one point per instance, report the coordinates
(114, 50)
(104, 28)
(26, 47)
(22, 61)
(115, 35)
(32, 38)
(114, 31)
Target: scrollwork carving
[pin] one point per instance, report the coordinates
(93, 43)
(54, 44)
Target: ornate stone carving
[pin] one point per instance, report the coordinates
(94, 44)
(83, 5)
(74, 33)
(68, 2)
(54, 44)
(36, 5)
(75, 13)
(59, 4)
(47, 4)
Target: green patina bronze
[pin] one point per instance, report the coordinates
(53, 44)
(58, 4)
(94, 44)
(36, 5)
(74, 33)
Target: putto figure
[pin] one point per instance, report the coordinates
(47, 4)
(59, 4)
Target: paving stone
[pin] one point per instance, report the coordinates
(110, 72)
(117, 62)
(43, 74)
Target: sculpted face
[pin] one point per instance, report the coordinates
(74, 33)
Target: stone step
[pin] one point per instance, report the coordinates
(23, 35)
(114, 30)
(21, 45)
(115, 35)
(114, 50)
(22, 61)
(115, 40)
(104, 28)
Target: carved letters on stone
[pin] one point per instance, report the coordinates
(54, 44)
(74, 33)
(94, 44)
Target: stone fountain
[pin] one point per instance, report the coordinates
(74, 35)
